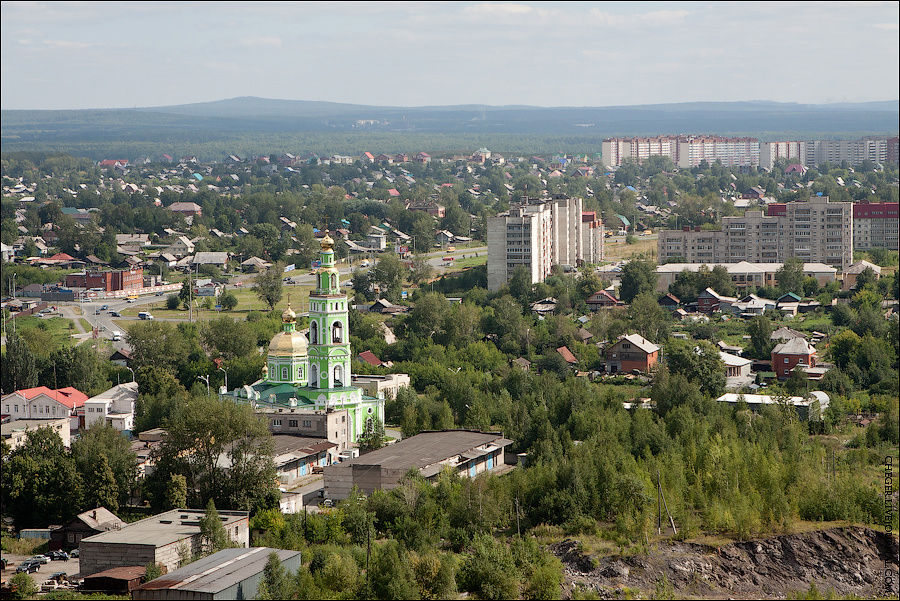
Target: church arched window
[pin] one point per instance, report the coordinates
(337, 332)
(333, 281)
(284, 374)
(314, 376)
(314, 332)
(338, 376)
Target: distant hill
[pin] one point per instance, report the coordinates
(99, 131)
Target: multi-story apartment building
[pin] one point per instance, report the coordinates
(615, 151)
(539, 234)
(769, 152)
(853, 152)
(875, 225)
(814, 230)
(732, 152)
(685, 151)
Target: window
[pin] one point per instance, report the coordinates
(337, 332)
(338, 376)
(314, 332)
(292, 423)
(276, 422)
(307, 423)
(284, 373)
(785, 359)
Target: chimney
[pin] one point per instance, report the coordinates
(94, 514)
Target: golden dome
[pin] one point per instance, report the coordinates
(327, 242)
(288, 316)
(288, 344)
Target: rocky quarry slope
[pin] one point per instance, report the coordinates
(849, 560)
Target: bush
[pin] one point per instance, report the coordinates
(23, 586)
(172, 302)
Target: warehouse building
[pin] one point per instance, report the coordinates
(468, 452)
(158, 539)
(228, 574)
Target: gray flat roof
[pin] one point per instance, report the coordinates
(164, 528)
(428, 448)
(219, 571)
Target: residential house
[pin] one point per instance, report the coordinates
(710, 301)
(852, 273)
(182, 247)
(186, 209)
(566, 354)
(15, 433)
(114, 406)
(603, 300)
(88, 523)
(788, 355)
(669, 301)
(629, 353)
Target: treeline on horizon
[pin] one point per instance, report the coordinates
(207, 146)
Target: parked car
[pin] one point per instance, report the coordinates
(58, 555)
(42, 559)
(28, 567)
(74, 553)
(97, 312)
(131, 300)
(104, 307)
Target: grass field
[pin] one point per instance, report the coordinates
(461, 264)
(620, 250)
(247, 301)
(45, 334)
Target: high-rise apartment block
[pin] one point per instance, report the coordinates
(690, 151)
(814, 230)
(793, 151)
(539, 234)
(875, 225)
(685, 151)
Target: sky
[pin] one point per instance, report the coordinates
(70, 55)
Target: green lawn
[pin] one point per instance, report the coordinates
(247, 301)
(461, 264)
(45, 333)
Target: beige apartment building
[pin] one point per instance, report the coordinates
(815, 230)
(685, 151)
(539, 234)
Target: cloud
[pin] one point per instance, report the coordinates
(498, 9)
(261, 42)
(652, 18)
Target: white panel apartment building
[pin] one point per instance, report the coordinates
(540, 234)
(685, 151)
(769, 152)
(816, 231)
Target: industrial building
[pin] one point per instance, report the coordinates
(468, 452)
(228, 574)
(158, 539)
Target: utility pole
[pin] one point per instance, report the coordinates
(205, 379)
(368, 555)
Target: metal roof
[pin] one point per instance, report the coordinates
(428, 448)
(219, 571)
(164, 528)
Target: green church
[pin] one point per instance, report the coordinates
(314, 373)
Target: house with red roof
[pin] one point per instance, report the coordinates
(393, 192)
(423, 157)
(120, 163)
(602, 300)
(567, 355)
(367, 157)
(370, 358)
(44, 403)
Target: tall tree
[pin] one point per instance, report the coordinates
(790, 276)
(19, 365)
(638, 276)
(269, 286)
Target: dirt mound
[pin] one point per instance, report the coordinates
(849, 560)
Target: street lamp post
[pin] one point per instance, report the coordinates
(132, 372)
(223, 370)
(205, 379)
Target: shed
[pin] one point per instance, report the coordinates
(228, 574)
(116, 581)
